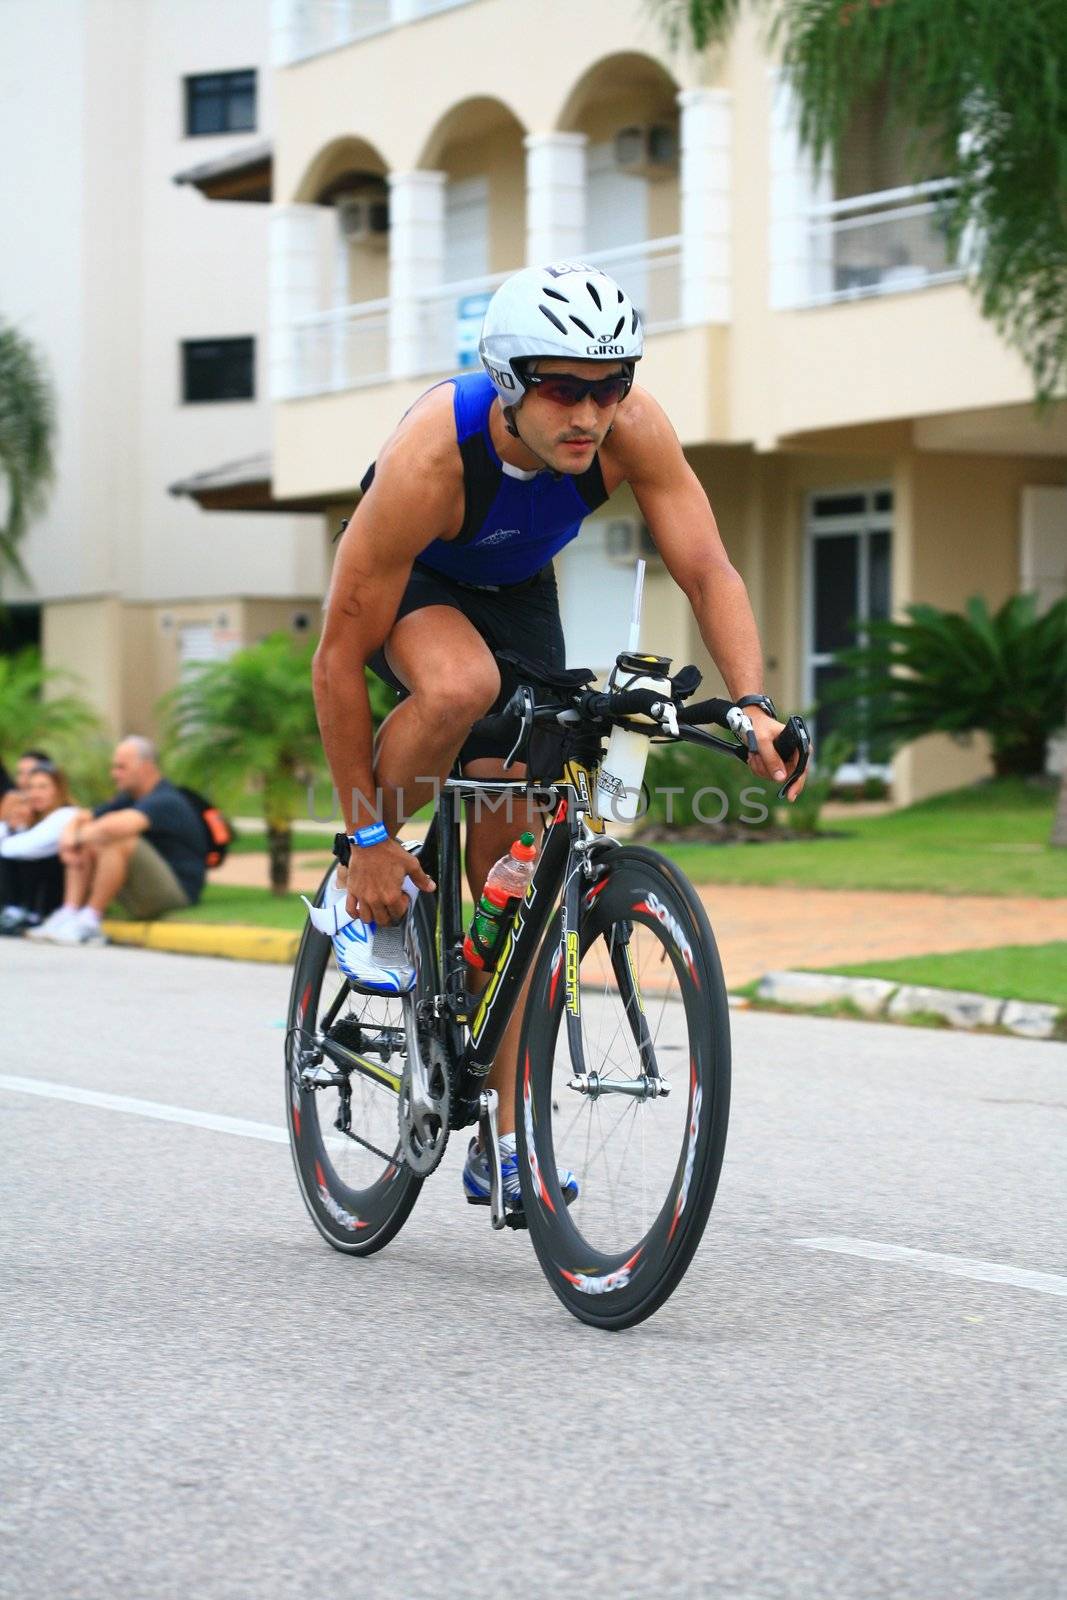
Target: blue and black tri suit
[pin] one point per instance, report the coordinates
(497, 571)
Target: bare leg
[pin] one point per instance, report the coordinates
(77, 876)
(453, 680)
(488, 838)
(111, 864)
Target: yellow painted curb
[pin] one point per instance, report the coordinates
(207, 939)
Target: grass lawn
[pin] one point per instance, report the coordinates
(1011, 972)
(249, 843)
(990, 839)
(252, 907)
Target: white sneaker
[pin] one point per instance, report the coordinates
(370, 957)
(46, 930)
(81, 928)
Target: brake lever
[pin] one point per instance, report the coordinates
(526, 717)
(740, 724)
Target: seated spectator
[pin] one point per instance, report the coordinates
(31, 874)
(14, 812)
(144, 848)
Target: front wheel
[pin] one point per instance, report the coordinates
(344, 1059)
(653, 1016)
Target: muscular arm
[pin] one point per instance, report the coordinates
(416, 496)
(644, 450)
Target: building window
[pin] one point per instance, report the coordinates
(849, 554)
(220, 102)
(218, 369)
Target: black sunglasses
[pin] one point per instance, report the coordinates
(563, 390)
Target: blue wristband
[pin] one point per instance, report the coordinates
(374, 833)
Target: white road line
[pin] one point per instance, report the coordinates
(146, 1108)
(953, 1266)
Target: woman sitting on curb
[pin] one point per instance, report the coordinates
(31, 876)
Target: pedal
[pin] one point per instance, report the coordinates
(489, 1134)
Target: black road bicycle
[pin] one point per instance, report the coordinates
(624, 1060)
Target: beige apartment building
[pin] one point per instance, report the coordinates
(150, 308)
(866, 440)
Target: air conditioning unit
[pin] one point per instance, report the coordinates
(648, 151)
(627, 540)
(364, 221)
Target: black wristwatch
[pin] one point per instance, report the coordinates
(764, 702)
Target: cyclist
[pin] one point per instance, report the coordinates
(448, 557)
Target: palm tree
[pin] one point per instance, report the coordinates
(1003, 673)
(63, 722)
(986, 84)
(1059, 821)
(27, 430)
(250, 722)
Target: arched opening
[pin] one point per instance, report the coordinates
(626, 106)
(349, 177)
(478, 145)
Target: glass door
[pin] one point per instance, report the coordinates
(849, 534)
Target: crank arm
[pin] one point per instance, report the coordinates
(489, 1133)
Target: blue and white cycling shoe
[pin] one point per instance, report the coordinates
(476, 1176)
(368, 956)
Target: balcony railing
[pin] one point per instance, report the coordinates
(305, 28)
(340, 349)
(651, 274)
(351, 346)
(881, 243)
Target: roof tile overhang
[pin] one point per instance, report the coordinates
(247, 485)
(245, 174)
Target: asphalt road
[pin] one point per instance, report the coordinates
(201, 1399)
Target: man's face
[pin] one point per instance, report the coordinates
(566, 436)
(127, 769)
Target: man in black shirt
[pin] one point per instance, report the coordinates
(144, 848)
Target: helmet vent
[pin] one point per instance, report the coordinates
(554, 294)
(618, 327)
(551, 315)
(594, 297)
(620, 297)
(578, 323)
(633, 326)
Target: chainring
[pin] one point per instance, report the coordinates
(424, 1157)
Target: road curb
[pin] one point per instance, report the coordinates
(231, 941)
(885, 1001)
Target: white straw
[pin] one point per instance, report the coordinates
(635, 614)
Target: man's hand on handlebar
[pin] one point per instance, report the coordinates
(768, 763)
(375, 881)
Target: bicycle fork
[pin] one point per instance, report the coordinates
(651, 1083)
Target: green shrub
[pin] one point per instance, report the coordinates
(1002, 673)
(695, 789)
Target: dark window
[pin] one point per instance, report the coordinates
(220, 102)
(840, 505)
(836, 591)
(218, 369)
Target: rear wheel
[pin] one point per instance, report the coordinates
(653, 1011)
(345, 1053)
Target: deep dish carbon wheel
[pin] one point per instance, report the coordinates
(344, 1058)
(647, 1165)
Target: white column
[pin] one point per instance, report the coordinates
(705, 184)
(286, 34)
(416, 261)
(801, 257)
(294, 292)
(555, 197)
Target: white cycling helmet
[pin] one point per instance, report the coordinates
(567, 310)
